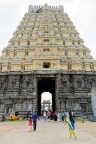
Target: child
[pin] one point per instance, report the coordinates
(30, 123)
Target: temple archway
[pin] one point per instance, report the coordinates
(46, 85)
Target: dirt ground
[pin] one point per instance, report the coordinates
(16, 132)
(6, 127)
(87, 127)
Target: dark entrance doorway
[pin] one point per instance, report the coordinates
(46, 85)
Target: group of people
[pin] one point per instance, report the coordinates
(54, 116)
(67, 118)
(62, 117)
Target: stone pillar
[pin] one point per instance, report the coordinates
(86, 86)
(71, 80)
(35, 93)
(58, 82)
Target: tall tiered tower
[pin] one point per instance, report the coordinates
(46, 39)
(46, 53)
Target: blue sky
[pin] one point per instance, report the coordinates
(81, 12)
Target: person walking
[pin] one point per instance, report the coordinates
(72, 120)
(44, 116)
(34, 118)
(30, 124)
(60, 116)
(82, 117)
(51, 117)
(48, 115)
(71, 127)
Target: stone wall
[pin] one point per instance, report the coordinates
(18, 92)
(93, 99)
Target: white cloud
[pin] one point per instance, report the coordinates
(9, 1)
(82, 13)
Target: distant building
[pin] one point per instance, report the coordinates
(46, 105)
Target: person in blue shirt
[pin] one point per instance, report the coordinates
(34, 118)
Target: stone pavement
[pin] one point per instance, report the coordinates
(46, 133)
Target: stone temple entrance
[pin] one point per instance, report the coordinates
(46, 85)
(48, 56)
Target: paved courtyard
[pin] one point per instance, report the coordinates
(46, 133)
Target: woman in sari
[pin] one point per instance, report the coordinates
(70, 122)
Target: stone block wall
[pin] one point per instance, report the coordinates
(19, 91)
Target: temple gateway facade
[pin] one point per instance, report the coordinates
(46, 54)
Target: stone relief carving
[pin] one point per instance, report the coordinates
(15, 52)
(89, 86)
(1, 84)
(13, 84)
(79, 84)
(0, 67)
(71, 80)
(64, 84)
(7, 53)
(22, 67)
(26, 52)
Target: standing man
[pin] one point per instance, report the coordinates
(34, 117)
(82, 117)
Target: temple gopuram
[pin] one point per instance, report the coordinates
(46, 54)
